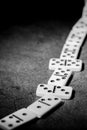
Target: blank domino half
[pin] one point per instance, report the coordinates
(44, 104)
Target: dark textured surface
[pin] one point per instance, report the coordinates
(24, 59)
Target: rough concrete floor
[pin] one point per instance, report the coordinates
(24, 59)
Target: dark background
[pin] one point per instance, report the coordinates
(31, 34)
(31, 12)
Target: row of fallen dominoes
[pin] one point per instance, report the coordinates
(55, 91)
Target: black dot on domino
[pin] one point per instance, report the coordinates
(64, 55)
(53, 63)
(68, 70)
(10, 117)
(41, 85)
(10, 125)
(51, 80)
(68, 54)
(57, 79)
(67, 44)
(64, 77)
(61, 60)
(66, 92)
(42, 99)
(59, 68)
(69, 60)
(3, 121)
(57, 62)
(49, 91)
(49, 99)
(73, 62)
(38, 106)
(65, 51)
(62, 71)
(61, 64)
(75, 46)
(58, 87)
(72, 56)
(77, 64)
(45, 88)
(18, 121)
(57, 73)
(53, 59)
(62, 89)
(55, 98)
(24, 114)
(65, 74)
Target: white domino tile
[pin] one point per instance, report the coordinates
(60, 76)
(16, 119)
(74, 65)
(84, 12)
(63, 92)
(80, 24)
(69, 52)
(55, 63)
(76, 37)
(44, 105)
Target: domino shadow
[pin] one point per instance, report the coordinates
(31, 125)
(83, 66)
(52, 110)
(70, 79)
(84, 42)
(73, 95)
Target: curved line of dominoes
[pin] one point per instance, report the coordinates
(55, 91)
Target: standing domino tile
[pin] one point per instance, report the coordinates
(74, 65)
(73, 42)
(44, 105)
(80, 24)
(16, 119)
(60, 76)
(55, 63)
(63, 92)
(85, 7)
(71, 46)
(84, 15)
(69, 55)
(84, 12)
(69, 52)
(76, 36)
(75, 32)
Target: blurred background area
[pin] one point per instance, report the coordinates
(24, 14)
